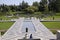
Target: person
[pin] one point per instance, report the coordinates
(31, 36)
(53, 18)
(25, 36)
(26, 29)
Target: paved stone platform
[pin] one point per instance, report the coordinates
(34, 26)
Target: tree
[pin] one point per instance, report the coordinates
(52, 5)
(41, 7)
(24, 5)
(13, 8)
(58, 5)
(35, 4)
(31, 9)
(44, 2)
(4, 9)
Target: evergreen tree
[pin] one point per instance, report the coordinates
(52, 5)
(43, 5)
(24, 5)
(58, 5)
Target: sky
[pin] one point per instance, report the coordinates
(17, 2)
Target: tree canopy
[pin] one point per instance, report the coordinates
(42, 6)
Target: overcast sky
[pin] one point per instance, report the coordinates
(16, 2)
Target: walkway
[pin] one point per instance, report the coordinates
(35, 27)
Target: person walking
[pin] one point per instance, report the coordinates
(31, 36)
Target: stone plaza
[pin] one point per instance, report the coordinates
(28, 29)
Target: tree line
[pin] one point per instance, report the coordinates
(44, 6)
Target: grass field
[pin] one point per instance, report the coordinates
(5, 25)
(53, 26)
(51, 18)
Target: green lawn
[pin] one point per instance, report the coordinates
(51, 18)
(5, 25)
(52, 25)
(56, 17)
